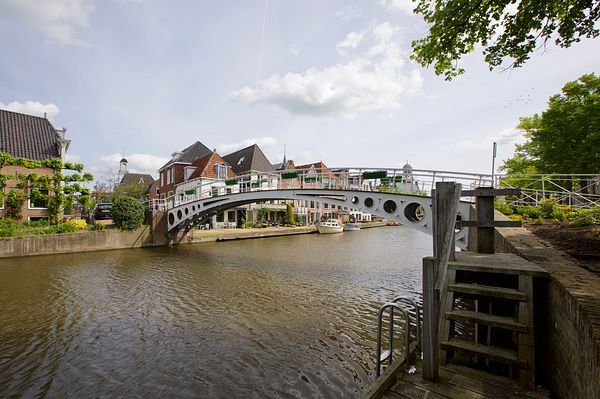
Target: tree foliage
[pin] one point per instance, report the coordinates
(127, 213)
(138, 191)
(289, 215)
(566, 137)
(57, 192)
(506, 29)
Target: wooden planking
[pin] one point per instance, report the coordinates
(526, 351)
(506, 391)
(405, 389)
(430, 312)
(491, 379)
(442, 388)
(496, 263)
(488, 290)
(487, 319)
(490, 352)
(446, 306)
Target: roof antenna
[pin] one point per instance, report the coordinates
(284, 158)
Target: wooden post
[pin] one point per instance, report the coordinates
(430, 310)
(446, 207)
(485, 214)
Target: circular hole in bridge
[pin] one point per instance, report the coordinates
(193, 208)
(354, 200)
(368, 202)
(171, 218)
(389, 206)
(187, 210)
(414, 212)
(179, 214)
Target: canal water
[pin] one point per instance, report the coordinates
(281, 317)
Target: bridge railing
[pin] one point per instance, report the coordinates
(574, 190)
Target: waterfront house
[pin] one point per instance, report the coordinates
(179, 168)
(33, 138)
(209, 175)
(254, 172)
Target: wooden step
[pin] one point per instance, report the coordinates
(488, 291)
(488, 319)
(504, 263)
(489, 352)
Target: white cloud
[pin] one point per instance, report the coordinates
(58, 20)
(406, 6)
(136, 163)
(369, 79)
(32, 108)
(348, 13)
(293, 49)
(265, 143)
(507, 138)
(352, 40)
(73, 158)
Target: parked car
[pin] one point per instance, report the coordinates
(103, 211)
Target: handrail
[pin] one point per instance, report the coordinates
(389, 353)
(408, 300)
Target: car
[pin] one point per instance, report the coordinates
(103, 211)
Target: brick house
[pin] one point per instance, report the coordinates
(33, 138)
(179, 168)
(207, 176)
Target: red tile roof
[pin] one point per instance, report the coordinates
(28, 136)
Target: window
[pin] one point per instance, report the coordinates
(220, 217)
(173, 174)
(241, 160)
(168, 177)
(38, 198)
(221, 171)
(161, 179)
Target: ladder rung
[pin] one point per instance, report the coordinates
(488, 290)
(487, 319)
(490, 352)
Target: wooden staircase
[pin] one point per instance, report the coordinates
(488, 322)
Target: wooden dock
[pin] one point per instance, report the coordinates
(456, 382)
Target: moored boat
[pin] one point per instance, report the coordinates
(330, 226)
(351, 227)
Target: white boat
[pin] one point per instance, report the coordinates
(330, 226)
(351, 227)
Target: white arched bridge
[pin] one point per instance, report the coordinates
(409, 210)
(400, 195)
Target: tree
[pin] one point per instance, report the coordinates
(137, 190)
(289, 216)
(57, 192)
(127, 213)
(506, 29)
(566, 137)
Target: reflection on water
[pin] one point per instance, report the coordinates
(279, 317)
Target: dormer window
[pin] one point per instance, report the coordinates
(241, 160)
(221, 171)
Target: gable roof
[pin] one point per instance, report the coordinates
(137, 178)
(189, 154)
(247, 159)
(204, 169)
(28, 136)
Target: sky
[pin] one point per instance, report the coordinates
(330, 80)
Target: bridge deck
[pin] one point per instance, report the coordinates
(458, 382)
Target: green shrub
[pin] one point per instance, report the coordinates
(532, 212)
(127, 213)
(547, 207)
(516, 217)
(97, 227)
(583, 217)
(504, 208)
(66, 228)
(558, 214)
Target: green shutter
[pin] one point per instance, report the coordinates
(231, 182)
(289, 175)
(380, 174)
(311, 179)
(190, 192)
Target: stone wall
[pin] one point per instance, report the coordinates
(77, 242)
(568, 322)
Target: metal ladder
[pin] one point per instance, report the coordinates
(388, 353)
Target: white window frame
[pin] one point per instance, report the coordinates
(29, 202)
(221, 171)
